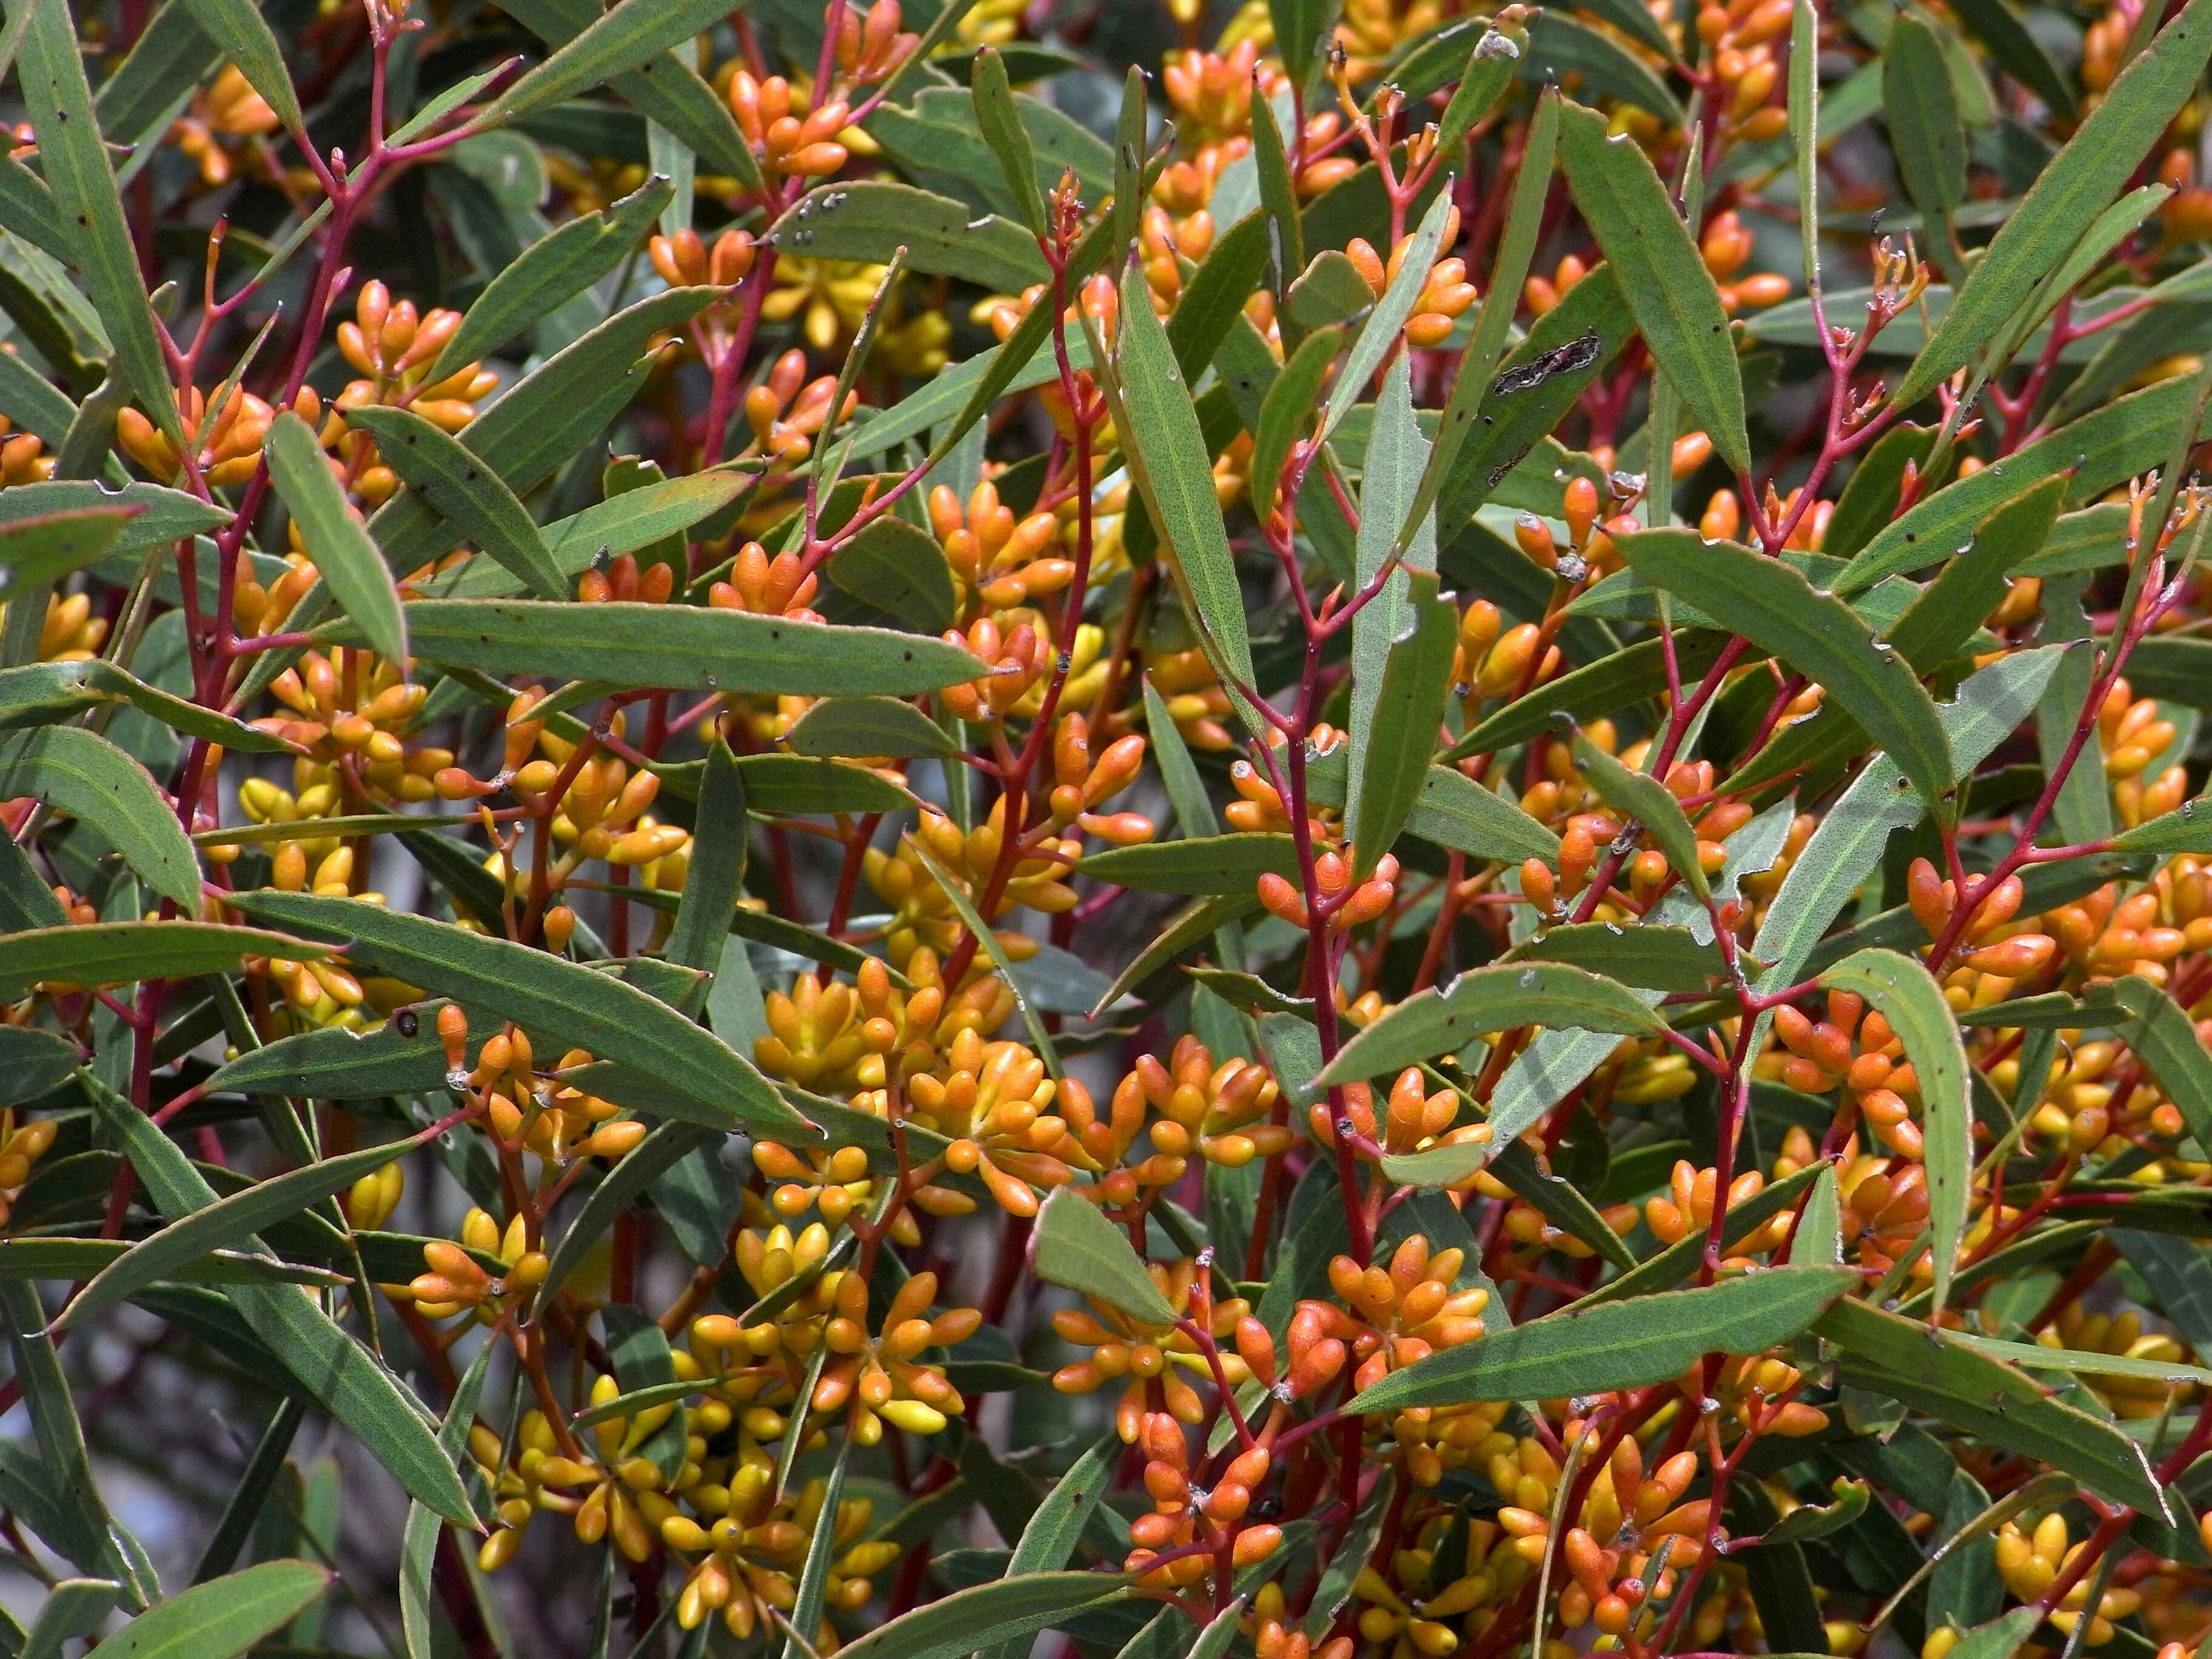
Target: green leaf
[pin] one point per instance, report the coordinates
(465, 491)
(2034, 1356)
(90, 779)
(980, 1617)
(667, 1145)
(2094, 453)
(1390, 468)
(158, 516)
(629, 36)
(46, 693)
(551, 271)
(2187, 829)
(2068, 193)
(418, 1542)
(2018, 53)
(1385, 325)
(1482, 1000)
(248, 42)
(1973, 583)
(2163, 1039)
(335, 536)
(221, 1617)
(1452, 811)
(698, 1077)
(1300, 27)
(1167, 457)
(51, 75)
(1225, 865)
(1483, 80)
(675, 646)
(1603, 687)
(1288, 405)
(1078, 1247)
(1648, 803)
(2002, 1636)
(1595, 1348)
(119, 952)
(225, 1223)
(900, 570)
(542, 420)
(1649, 955)
(74, 1258)
(74, 1521)
(1673, 296)
(716, 878)
(1554, 1197)
(1599, 67)
(866, 726)
(1930, 1370)
(1926, 134)
(1816, 634)
(1393, 756)
(1819, 1240)
(870, 219)
(74, 1607)
(36, 552)
(807, 1624)
(1901, 991)
(1284, 229)
(346, 1380)
(1057, 1526)
(1681, 1258)
(1000, 123)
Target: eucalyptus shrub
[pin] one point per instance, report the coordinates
(829, 828)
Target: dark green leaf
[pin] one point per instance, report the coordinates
(464, 491)
(334, 535)
(75, 772)
(221, 1617)
(866, 726)
(1676, 305)
(900, 570)
(1078, 1247)
(1592, 1349)
(1225, 865)
(1485, 1000)
(870, 219)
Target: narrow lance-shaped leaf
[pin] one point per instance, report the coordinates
(1409, 706)
(1900, 990)
(1000, 123)
(2100, 157)
(89, 778)
(550, 272)
(1616, 1345)
(1396, 449)
(334, 538)
(75, 160)
(348, 1381)
(466, 492)
(1646, 800)
(1167, 455)
(1663, 276)
(675, 646)
(628, 36)
(1493, 998)
(1773, 605)
(248, 42)
(2162, 1036)
(221, 1617)
(226, 1222)
(693, 1074)
(1384, 328)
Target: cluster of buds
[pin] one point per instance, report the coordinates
(1193, 696)
(995, 557)
(454, 1281)
(786, 411)
(871, 48)
(1727, 244)
(994, 1100)
(393, 348)
(2133, 732)
(2030, 1560)
(1412, 1120)
(924, 912)
(525, 1110)
(352, 713)
(777, 586)
(1740, 37)
(2005, 949)
(1655, 1536)
(1345, 903)
(22, 1146)
(1150, 1360)
(226, 119)
(1493, 661)
(786, 138)
(1259, 804)
(1686, 1208)
(70, 633)
(23, 457)
(229, 451)
(1215, 1112)
(883, 1378)
(1445, 296)
(1183, 1513)
(1385, 1317)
